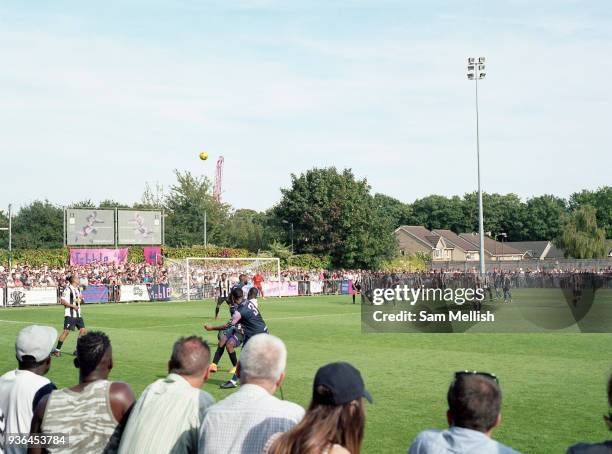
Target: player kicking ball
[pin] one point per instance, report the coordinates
(229, 339)
(248, 316)
(71, 300)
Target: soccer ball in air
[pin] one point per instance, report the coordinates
(203, 156)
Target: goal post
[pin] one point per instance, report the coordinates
(196, 278)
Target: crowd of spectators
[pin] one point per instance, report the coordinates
(174, 414)
(208, 275)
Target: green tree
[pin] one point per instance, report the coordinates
(398, 213)
(186, 204)
(501, 213)
(439, 212)
(601, 200)
(333, 213)
(110, 203)
(87, 203)
(544, 217)
(581, 238)
(38, 225)
(245, 229)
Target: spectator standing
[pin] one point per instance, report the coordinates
(474, 411)
(168, 415)
(335, 420)
(91, 413)
(21, 389)
(244, 421)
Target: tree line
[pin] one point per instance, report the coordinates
(332, 213)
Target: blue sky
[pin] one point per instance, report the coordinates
(124, 92)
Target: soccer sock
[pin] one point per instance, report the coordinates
(59, 345)
(218, 355)
(233, 358)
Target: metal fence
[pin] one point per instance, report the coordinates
(561, 264)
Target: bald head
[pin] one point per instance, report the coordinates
(190, 356)
(474, 402)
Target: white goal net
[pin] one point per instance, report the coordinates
(197, 278)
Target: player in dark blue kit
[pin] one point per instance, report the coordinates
(246, 315)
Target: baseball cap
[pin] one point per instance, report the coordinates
(36, 341)
(344, 383)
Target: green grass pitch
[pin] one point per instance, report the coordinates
(553, 383)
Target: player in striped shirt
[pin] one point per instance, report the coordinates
(71, 300)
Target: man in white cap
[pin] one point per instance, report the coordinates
(22, 388)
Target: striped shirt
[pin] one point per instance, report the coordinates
(85, 416)
(244, 421)
(72, 295)
(166, 418)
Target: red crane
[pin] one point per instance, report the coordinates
(218, 180)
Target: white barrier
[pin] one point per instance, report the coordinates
(20, 296)
(316, 287)
(134, 293)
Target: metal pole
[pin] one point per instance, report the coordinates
(205, 239)
(480, 216)
(10, 238)
(64, 219)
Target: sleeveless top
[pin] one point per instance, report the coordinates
(86, 417)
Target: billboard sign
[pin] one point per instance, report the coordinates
(85, 226)
(139, 227)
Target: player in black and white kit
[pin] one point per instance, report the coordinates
(223, 291)
(71, 300)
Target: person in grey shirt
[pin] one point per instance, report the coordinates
(167, 417)
(243, 422)
(474, 410)
(604, 447)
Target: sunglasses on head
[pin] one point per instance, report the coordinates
(474, 372)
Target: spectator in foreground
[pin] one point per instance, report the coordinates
(597, 448)
(93, 412)
(335, 420)
(474, 410)
(169, 413)
(244, 421)
(21, 389)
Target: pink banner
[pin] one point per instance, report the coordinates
(152, 255)
(85, 256)
(272, 288)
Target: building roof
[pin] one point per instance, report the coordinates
(455, 240)
(491, 246)
(533, 249)
(422, 234)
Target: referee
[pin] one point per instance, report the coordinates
(71, 300)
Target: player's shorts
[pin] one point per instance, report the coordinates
(232, 334)
(70, 323)
(221, 300)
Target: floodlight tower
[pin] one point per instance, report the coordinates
(475, 72)
(218, 188)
